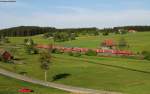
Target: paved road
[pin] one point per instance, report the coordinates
(54, 85)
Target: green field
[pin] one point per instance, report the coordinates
(11, 86)
(125, 75)
(137, 41)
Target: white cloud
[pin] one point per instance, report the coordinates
(79, 18)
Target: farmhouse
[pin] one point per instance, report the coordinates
(108, 44)
(5, 55)
(132, 31)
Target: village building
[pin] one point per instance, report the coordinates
(108, 49)
(132, 31)
(108, 44)
(5, 55)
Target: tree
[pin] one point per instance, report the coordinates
(72, 36)
(63, 36)
(29, 46)
(122, 43)
(146, 55)
(45, 60)
(106, 33)
(4, 39)
(1, 38)
(96, 33)
(122, 31)
(91, 53)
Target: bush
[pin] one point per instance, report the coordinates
(77, 54)
(70, 53)
(31, 50)
(105, 33)
(146, 55)
(91, 53)
(6, 61)
(56, 51)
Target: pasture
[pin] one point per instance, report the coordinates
(125, 75)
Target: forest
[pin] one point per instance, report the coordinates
(51, 31)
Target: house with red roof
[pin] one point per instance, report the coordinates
(108, 44)
(5, 55)
(132, 31)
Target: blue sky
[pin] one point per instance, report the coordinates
(75, 13)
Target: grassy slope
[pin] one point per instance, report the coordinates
(91, 72)
(137, 41)
(11, 86)
(88, 72)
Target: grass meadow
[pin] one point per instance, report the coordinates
(125, 75)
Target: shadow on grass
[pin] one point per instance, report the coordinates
(125, 68)
(60, 76)
(18, 59)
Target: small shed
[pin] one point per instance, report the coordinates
(5, 55)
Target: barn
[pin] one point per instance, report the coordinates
(5, 55)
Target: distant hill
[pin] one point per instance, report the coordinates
(25, 31)
(137, 28)
(35, 30)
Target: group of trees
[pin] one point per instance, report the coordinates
(58, 35)
(76, 53)
(75, 31)
(124, 29)
(63, 36)
(45, 55)
(49, 31)
(25, 31)
(30, 46)
(137, 28)
(4, 40)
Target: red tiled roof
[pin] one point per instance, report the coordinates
(44, 46)
(65, 49)
(109, 42)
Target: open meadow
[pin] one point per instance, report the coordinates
(125, 75)
(137, 41)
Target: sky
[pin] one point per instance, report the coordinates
(74, 13)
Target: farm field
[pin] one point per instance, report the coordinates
(11, 86)
(125, 75)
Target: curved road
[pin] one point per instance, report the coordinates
(54, 85)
